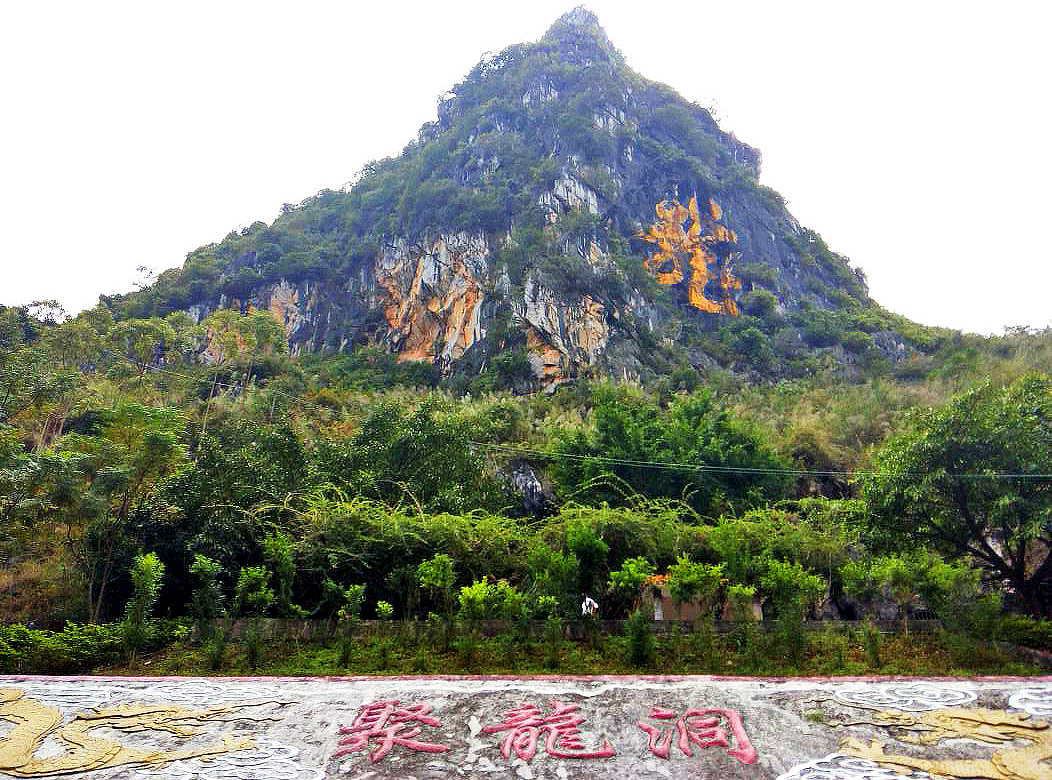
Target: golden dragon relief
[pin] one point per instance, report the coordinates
(1011, 761)
(689, 253)
(34, 722)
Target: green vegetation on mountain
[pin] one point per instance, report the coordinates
(327, 486)
(340, 415)
(554, 155)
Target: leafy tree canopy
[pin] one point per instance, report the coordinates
(722, 463)
(966, 480)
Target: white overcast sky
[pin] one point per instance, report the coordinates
(914, 136)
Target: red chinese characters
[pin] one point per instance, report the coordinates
(703, 727)
(526, 724)
(385, 724)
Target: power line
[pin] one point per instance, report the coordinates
(702, 467)
(508, 449)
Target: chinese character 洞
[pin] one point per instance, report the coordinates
(526, 724)
(703, 727)
(386, 723)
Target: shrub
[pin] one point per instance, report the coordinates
(1022, 630)
(253, 595)
(793, 591)
(690, 581)
(873, 642)
(628, 581)
(254, 598)
(350, 612)
(278, 550)
(760, 303)
(146, 574)
(642, 645)
(483, 600)
(856, 341)
(553, 635)
(206, 603)
(75, 649)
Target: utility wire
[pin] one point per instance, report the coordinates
(702, 467)
(508, 449)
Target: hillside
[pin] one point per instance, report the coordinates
(566, 215)
(338, 414)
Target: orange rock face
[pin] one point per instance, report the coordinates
(562, 340)
(436, 315)
(688, 253)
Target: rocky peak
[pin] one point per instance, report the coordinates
(581, 19)
(580, 29)
(564, 217)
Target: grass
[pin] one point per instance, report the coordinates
(42, 588)
(826, 655)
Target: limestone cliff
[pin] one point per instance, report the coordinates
(561, 205)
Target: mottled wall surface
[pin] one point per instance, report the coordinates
(527, 729)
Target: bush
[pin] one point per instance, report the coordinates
(483, 600)
(553, 636)
(279, 552)
(760, 303)
(146, 574)
(206, 603)
(350, 612)
(75, 649)
(628, 581)
(793, 590)
(254, 597)
(642, 645)
(856, 341)
(1027, 631)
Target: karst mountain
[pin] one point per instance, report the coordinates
(562, 217)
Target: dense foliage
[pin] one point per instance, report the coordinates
(522, 127)
(941, 483)
(876, 478)
(722, 465)
(321, 491)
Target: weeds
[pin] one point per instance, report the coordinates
(553, 639)
(873, 642)
(215, 648)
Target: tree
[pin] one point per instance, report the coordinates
(222, 343)
(147, 574)
(424, 452)
(76, 342)
(972, 479)
(437, 577)
(715, 462)
(261, 334)
(110, 477)
(29, 380)
(691, 582)
(141, 341)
